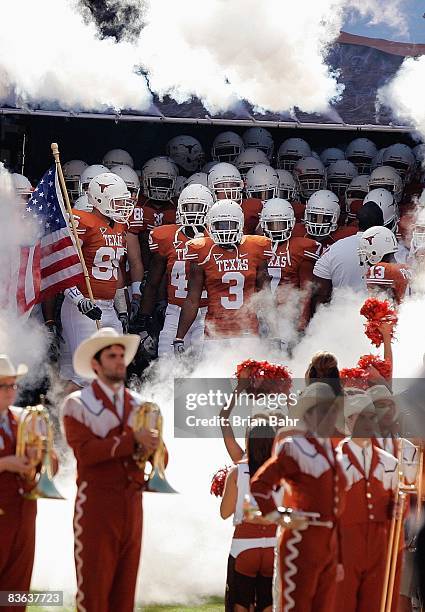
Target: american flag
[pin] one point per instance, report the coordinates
(50, 263)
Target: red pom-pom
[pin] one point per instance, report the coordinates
(275, 378)
(377, 312)
(383, 366)
(218, 480)
(354, 377)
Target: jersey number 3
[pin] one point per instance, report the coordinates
(236, 282)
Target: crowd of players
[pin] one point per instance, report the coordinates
(178, 251)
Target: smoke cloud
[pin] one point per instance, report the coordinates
(178, 50)
(404, 93)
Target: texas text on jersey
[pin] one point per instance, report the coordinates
(392, 278)
(171, 243)
(103, 248)
(230, 281)
(148, 214)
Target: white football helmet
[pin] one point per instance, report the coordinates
(186, 151)
(418, 235)
(109, 194)
(225, 223)
(290, 151)
(331, 155)
(361, 152)
(72, 171)
(287, 187)
(130, 178)
(310, 176)
(22, 186)
(322, 213)
(82, 203)
(117, 157)
(248, 159)
(199, 178)
(159, 176)
(356, 190)
(400, 157)
(375, 243)
(225, 182)
(262, 182)
(181, 183)
(208, 166)
(387, 204)
(387, 178)
(194, 202)
(259, 138)
(277, 219)
(88, 174)
(226, 147)
(340, 174)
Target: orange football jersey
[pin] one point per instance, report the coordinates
(170, 242)
(251, 211)
(146, 215)
(393, 278)
(103, 249)
(230, 281)
(292, 262)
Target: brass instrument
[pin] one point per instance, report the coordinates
(402, 491)
(289, 518)
(35, 441)
(148, 416)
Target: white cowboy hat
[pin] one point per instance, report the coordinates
(7, 369)
(107, 336)
(317, 393)
(356, 404)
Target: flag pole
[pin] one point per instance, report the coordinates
(55, 151)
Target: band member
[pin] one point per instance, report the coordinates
(371, 475)
(17, 514)
(308, 463)
(108, 506)
(250, 565)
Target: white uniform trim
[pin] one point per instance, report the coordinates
(78, 530)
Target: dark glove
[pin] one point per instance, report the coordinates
(123, 317)
(89, 308)
(134, 308)
(54, 339)
(148, 344)
(143, 322)
(160, 308)
(178, 346)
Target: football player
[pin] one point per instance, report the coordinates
(321, 218)
(102, 234)
(291, 151)
(231, 267)
(155, 205)
(168, 244)
(292, 262)
(377, 246)
(261, 184)
(72, 171)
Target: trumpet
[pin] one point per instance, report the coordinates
(403, 490)
(148, 416)
(289, 518)
(35, 441)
